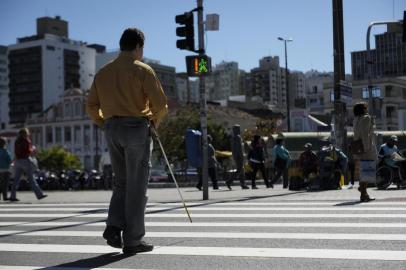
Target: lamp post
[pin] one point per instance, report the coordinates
(285, 40)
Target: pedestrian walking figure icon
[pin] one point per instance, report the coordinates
(203, 66)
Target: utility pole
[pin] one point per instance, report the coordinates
(285, 40)
(203, 104)
(339, 115)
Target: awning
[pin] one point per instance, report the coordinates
(317, 121)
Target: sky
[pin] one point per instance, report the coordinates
(248, 29)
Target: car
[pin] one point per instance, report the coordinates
(159, 176)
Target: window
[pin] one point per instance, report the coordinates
(58, 135)
(389, 91)
(68, 112)
(76, 134)
(77, 108)
(50, 48)
(68, 134)
(86, 135)
(48, 133)
(376, 92)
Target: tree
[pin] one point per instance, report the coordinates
(57, 159)
(172, 132)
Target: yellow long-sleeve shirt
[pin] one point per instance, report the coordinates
(126, 87)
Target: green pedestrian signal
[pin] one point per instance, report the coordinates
(198, 65)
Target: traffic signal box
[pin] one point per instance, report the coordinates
(186, 30)
(198, 65)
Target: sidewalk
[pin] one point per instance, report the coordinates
(192, 194)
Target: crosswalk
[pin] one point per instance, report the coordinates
(227, 234)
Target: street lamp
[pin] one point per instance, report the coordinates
(285, 40)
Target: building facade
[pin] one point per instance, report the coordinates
(4, 107)
(388, 57)
(268, 83)
(66, 124)
(223, 82)
(42, 66)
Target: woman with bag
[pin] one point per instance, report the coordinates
(364, 131)
(23, 149)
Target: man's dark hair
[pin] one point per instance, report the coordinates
(130, 38)
(360, 108)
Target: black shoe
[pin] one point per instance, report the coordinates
(254, 187)
(42, 196)
(14, 200)
(285, 186)
(269, 185)
(199, 187)
(228, 184)
(366, 199)
(245, 187)
(142, 247)
(113, 236)
(6, 199)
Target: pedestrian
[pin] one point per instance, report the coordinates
(23, 151)
(256, 159)
(280, 161)
(364, 130)
(131, 99)
(238, 156)
(106, 169)
(351, 167)
(212, 163)
(308, 161)
(5, 162)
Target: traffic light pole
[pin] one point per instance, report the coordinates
(203, 104)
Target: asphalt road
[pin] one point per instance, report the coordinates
(238, 229)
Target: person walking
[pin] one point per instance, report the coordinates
(131, 99)
(238, 156)
(212, 163)
(280, 161)
(364, 130)
(256, 159)
(23, 150)
(5, 162)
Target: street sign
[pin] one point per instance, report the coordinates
(345, 92)
(212, 22)
(198, 65)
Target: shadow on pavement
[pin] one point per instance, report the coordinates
(90, 263)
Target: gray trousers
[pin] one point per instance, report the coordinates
(25, 165)
(130, 144)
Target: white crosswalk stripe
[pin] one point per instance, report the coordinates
(219, 230)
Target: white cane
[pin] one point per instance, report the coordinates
(170, 170)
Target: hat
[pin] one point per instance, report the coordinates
(394, 138)
(308, 145)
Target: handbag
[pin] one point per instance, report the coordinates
(357, 147)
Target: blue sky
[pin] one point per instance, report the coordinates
(248, 29)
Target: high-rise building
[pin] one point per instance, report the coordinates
(268, 83)
(42, 66)
(388, 57)
(4, 119)
(223, 81)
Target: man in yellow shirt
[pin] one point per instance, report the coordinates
(125, 99)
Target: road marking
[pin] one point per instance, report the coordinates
(214, 224)
(286, 203)
(223, 235)
(351, 254)
(214, 208)
(225, 215)
(20, 267)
